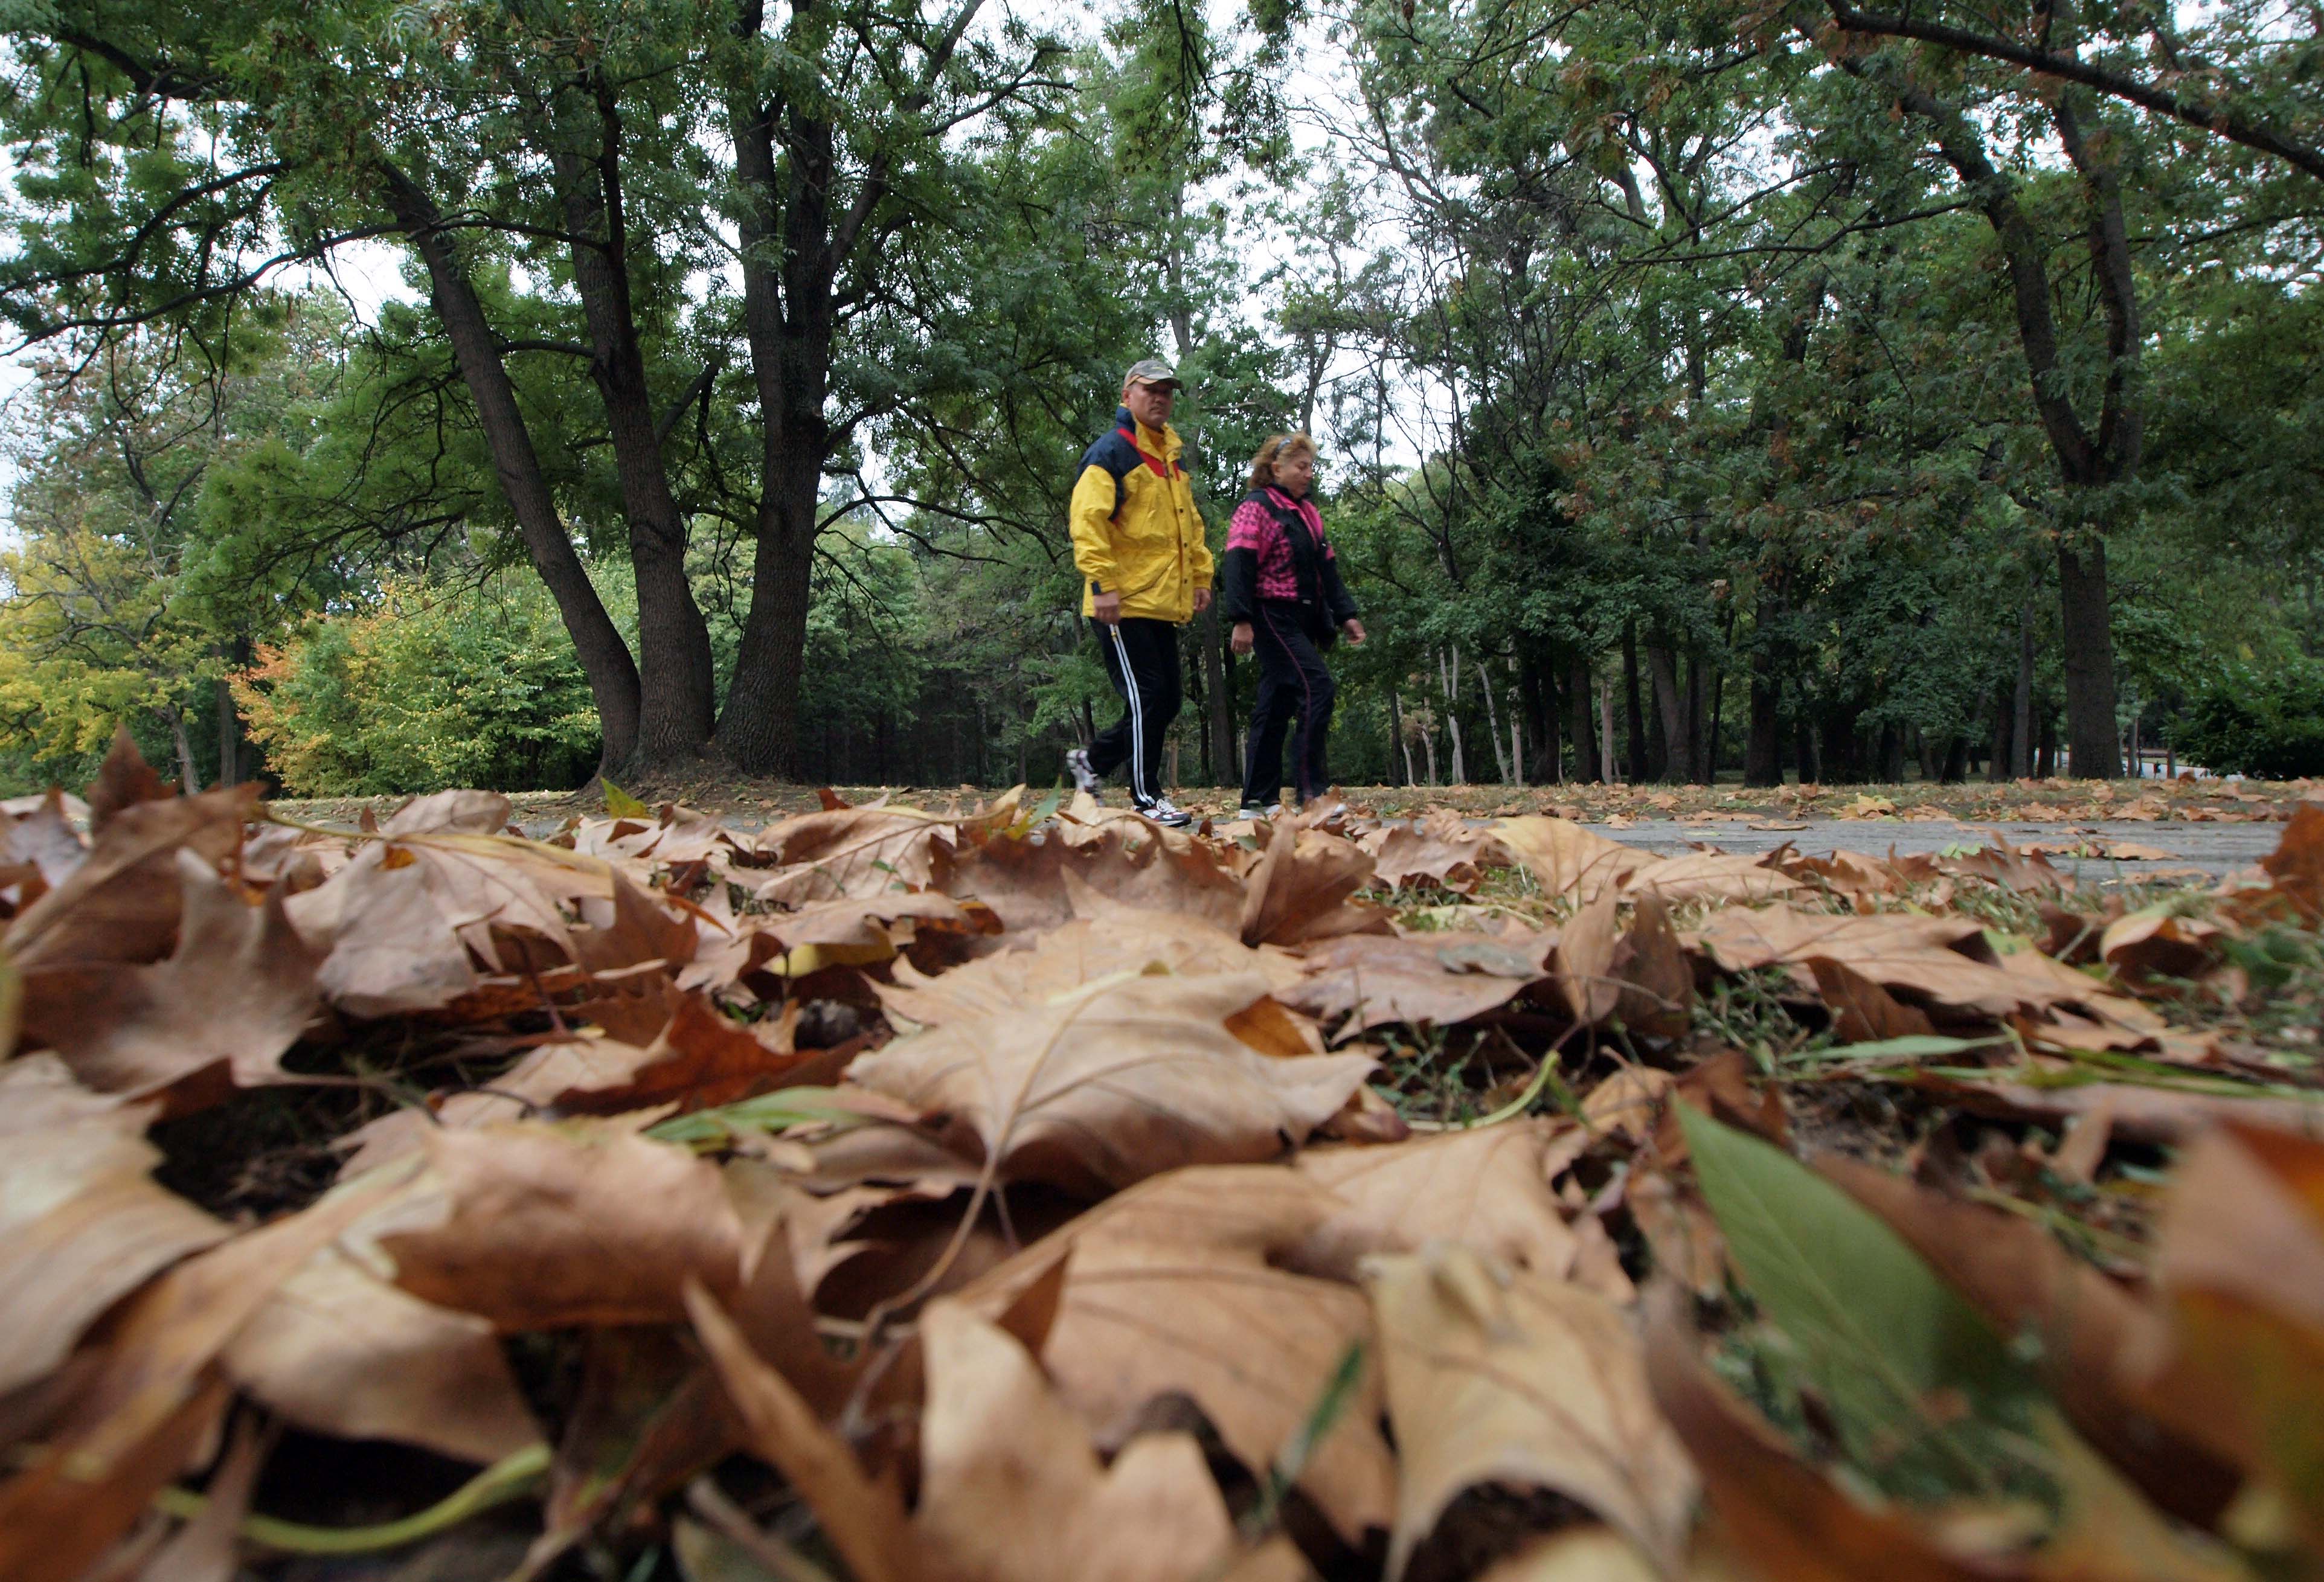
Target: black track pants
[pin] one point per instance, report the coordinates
(1141, 656)
(1295, 691)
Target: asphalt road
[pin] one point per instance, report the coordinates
(2216, 849)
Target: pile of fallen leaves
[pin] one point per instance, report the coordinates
(1027, 1192)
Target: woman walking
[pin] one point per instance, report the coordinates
(1282, 590)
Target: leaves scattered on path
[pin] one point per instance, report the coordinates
(1016, 1192)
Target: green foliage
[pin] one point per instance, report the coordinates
(2249, 721)
(1647, 357)
(436, 685)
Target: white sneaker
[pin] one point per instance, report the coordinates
(1085, 779)
(1163, 811)
(1253, 812)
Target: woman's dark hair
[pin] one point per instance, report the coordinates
(1278, 447)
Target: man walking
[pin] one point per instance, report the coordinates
(1146, 571)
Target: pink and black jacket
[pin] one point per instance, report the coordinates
(1276, 552)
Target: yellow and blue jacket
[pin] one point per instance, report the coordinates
(1135, 530)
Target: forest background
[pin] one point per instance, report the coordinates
(1704, 385)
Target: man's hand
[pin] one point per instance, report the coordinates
(1202, 600)
(1355, 631)
(1107, 608)
(1241, 637)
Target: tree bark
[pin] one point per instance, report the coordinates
(2021, 716)
(1671, 703)
(1448, 672)
(2088, 655)
(1606, 727)
(1584, 735)
(605, 661)
(190, 779)
(2089, 465)
(1493, 721)
(676, 687)
(1763, 747)
(1635, 710)
(1537, 693)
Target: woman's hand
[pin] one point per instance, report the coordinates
(1355, 631)
(1240, 639)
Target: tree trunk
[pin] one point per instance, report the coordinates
(1448, 673)
(1762, 746)
(1804, 744)
(2021, 716)
(1639, 772)
(604, 656)
(2089, 654)
(1670, 704)
(677, 689)
(2088, 462)
(1586, 765)
(1606, 727)
(1718, 699)
(229, 736)
(190, 779)
(1538, 691)
(1493, 721)
(1403, 741)
(1956, 762)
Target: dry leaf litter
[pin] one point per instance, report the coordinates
(1021, 1192)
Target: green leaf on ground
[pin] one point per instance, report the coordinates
(1923, 1393)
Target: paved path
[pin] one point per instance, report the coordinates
(2216, 849)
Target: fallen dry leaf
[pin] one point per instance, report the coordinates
(1109, 938)
(2241, 1263)
(1440, 850)
(1713, 876)
(338, 1351)
(1520, 1377)
(226, 1004)
(1487, 1189)
(1022, 876)
(82, 1223)
(1012, 1490)
(865, 1520)
(1252, 1344)
(1587, 948)
(1300, 889)
(854, 851)
(1117, 1080)
(1923, 957)
(2153, 944)
(531, 1227)
(1565, 859)
(152, 1391)
(1437, 979)
(1862, 1012)
(121, 905)
(403, 926)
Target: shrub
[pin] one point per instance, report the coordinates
(2269, 725)
(433, 688)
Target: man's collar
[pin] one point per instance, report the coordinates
(1167, 434)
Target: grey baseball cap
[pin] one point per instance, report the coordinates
(1153, 371)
